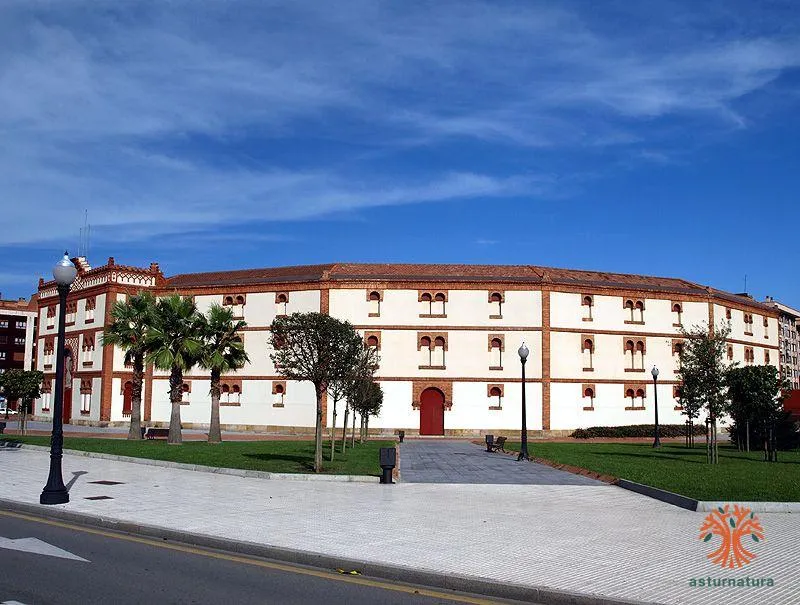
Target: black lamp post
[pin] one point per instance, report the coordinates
(55, 492)
(654, 372)
(523, 450)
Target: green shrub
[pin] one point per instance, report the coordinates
(636, 430)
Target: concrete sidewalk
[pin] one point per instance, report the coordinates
(596, 542)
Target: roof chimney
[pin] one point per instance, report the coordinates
(154, 268)
(110, 261)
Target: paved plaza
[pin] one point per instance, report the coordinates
(593, 539)
(457, 461)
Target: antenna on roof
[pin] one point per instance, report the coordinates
(745, 282)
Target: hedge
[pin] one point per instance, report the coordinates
(637, 430)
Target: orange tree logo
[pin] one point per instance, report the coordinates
(731, 527)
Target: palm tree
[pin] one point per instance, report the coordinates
(130, 321)
(174, 343)
(223, 352)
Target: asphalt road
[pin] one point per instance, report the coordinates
(121, 569)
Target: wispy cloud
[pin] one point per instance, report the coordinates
(115, 110)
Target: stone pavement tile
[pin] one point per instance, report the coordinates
(595, 539)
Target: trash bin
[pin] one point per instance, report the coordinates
(402, 435)
(388, 462)
(144, 430)
(489, 442)
(2, 427)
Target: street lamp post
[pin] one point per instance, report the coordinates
(55, 492)
(654, 372)
(523, 450)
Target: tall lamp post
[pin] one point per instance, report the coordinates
(55, 492)
(654, 372)
(523, 450)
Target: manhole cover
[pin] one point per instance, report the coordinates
(105, 482)
(98, 498)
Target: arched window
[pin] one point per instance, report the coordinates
(639, 315)
(426, 298)
(677, 310)
(278, 393)
(495, 354)
(439, 345)
(240, 300)
(587, 350)
(374, 304)
(495, 305)
(640, 353)
(228, 301)
(727, 313)
(587, 303)
(588, 395)
(236, 394)
(631, 394)
(766, 356)
(186, 390)
(495, 397)
(629, 306)
(438, 304)
(282, 303)
(730, 352)
(224, 393)
(372, 341)
(426, 352)
(630, 350)
(640, 397)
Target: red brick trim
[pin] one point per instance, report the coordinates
(377, 336)
(502, 294)
(325, 301)
(276, 384)
(378, 291)
(491, 386)
(545, 359)
(418, 386)
(500, 337)
(108, 364)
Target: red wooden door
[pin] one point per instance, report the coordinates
(67, 406)
(431, 412)
(127, 399)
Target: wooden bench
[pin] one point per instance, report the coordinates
(156, 433)
(499, 444)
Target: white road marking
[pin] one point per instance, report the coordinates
(36, 546)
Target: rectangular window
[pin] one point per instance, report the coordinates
(2, 354)
(86, 403)
(21, 325)
(3, 339)
(3, 323)
(46, 402)
(19, 341)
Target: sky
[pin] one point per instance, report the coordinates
(658, 138)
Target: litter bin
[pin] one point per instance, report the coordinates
(2, 427)
(388, 462)
(489, 442)
(402, 435)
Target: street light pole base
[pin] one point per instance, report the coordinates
(523, 456)
(657, 443)
(54, 497)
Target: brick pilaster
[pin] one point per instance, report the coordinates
(545, 359)
(107, 377)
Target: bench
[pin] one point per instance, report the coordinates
(497, 445)
(156, 433)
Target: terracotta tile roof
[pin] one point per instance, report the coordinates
(446, 273)
(301, 273)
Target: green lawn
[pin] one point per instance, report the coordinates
(738, 476)
(271, 456)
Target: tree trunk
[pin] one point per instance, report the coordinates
(214, 433)
(366, 428)
(361, 431)
(135, 431)
(333, 430)
(748, 435)
(353, 432)
(318, 431)
(344, 426)
(175, 396)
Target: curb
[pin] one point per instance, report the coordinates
(236, 472)
(659, 494)
(756, 507)
(397, 573)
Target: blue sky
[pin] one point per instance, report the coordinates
(640, 137)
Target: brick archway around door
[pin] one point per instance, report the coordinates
(431, 412)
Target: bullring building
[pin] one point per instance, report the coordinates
(447, 335)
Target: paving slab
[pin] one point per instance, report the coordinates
(598, 541)
(449, 461)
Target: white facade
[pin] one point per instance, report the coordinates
(448, 336)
